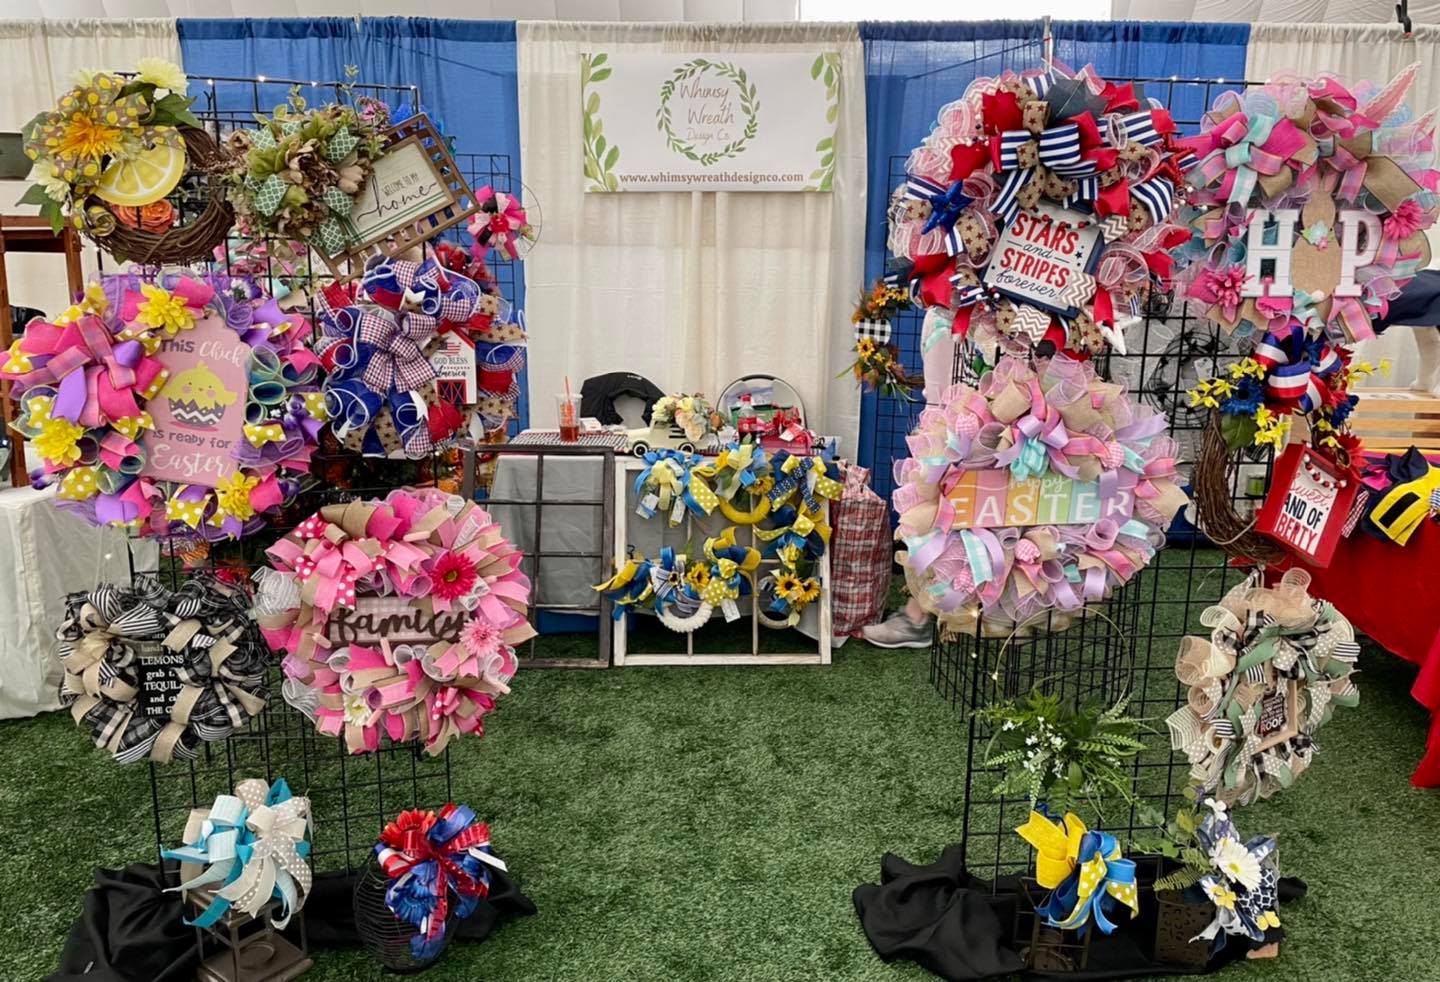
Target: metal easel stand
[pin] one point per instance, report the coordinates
(623, 503)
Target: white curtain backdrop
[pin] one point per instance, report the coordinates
(37, 59)
(689, 289)
(1354, 53)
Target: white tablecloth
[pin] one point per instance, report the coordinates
(45, 554)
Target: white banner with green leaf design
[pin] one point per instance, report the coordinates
(723, 122)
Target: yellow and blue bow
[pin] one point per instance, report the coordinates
(1094, 879)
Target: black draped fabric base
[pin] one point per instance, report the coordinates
(132, 931)
(958, 927)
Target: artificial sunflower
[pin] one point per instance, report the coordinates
(811, 591)
(865, 348)
(788, 586)
(92, 122)
(698, 576)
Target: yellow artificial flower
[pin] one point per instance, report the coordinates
(95, 300)
(1222, 896)
(1268, 919)
(45, 174)
(162, 74)
(58, 441)
(91, 122)
(1263, 417)
(1385, 366)
(698, 575)
(811, 591)
(1274, 433)
(164, 311)
(865, 348)
(787, 586)
(233, 496)
(1222, 387)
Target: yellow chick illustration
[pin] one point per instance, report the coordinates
(197, 396)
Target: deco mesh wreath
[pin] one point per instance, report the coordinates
(171, 404)
(299, 174)
(397, 616)
(1034, 493)
(382, 392)
(1276, 664)
(152, 673)
(1039, 207)
(1310, 209)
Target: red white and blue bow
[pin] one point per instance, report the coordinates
(426, 856)
(1299, 369)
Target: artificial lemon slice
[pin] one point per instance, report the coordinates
(145, 179)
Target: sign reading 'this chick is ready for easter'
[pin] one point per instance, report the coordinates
(200, 411)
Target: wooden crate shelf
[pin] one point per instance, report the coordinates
(1395, 420)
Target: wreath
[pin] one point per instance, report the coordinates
(112, 155)
(1036, 492)
(1347, 183)
(684, 587)
(152, 673)
(749, 106)
(170, 404)
(1276, 664)
(383, 394)
(299, 174)
(1043, 176)
(397, 616)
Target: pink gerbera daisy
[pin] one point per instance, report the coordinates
(480, 637)
(453, 576)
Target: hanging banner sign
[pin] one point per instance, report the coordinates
(721, 122)
(1307, 505)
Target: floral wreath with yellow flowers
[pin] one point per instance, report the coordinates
(87, 382)
(111, 149)
(877, 359)
(1257, 396)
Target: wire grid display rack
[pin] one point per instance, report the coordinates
(1126, 645)
(351, 796)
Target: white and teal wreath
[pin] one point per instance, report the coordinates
(1276, 664)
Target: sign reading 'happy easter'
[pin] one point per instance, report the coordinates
(994, 499)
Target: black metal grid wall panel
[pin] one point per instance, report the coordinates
(352, 796)
(1168, 350)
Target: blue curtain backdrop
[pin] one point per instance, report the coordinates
(913, 69)
(464, 71)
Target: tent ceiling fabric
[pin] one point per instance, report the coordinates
(691, 11)
(1275, 11)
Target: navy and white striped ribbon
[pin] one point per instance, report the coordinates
(1007, 201)
(965, 296)
(1040, 84)
(921, 188)
(1157, 195)
(1086, 189)
(1139, 127)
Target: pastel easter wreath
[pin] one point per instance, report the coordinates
(1276, 664)
(377, 339)
(170, 403)
(1039, 207)
(397, 616)
(1039, 491)
(152, 673)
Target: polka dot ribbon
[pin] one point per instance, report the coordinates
(1099, 881)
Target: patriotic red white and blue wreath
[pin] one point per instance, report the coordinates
(382, 390)
(1039, 208)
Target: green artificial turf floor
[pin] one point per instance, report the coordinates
(696, 824)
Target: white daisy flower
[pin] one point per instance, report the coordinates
(1231, 858)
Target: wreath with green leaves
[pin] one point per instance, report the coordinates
(749, 106)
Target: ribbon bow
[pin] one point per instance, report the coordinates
(730, 568)
(1242, 149)
(97, 376)
(945, 204)
(501, 223)
(429, 856)
(1299, 369)
(1062, 161)
(1097, 879)
(253, 844)
(1240, 909)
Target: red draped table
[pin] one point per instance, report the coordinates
(1384, 589)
